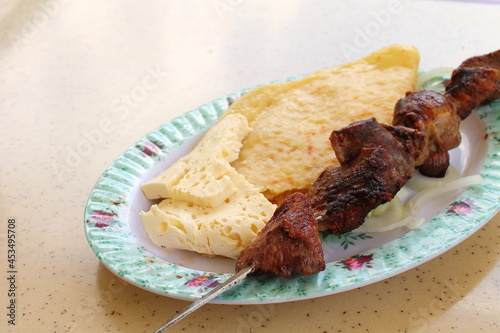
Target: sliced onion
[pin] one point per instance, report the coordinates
(419, 182)
(383, 217)
(416, 203)
(410, 220)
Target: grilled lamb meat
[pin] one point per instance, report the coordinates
(471, 87)
(374, 167)
(289, 243)
(413, 141)
(348, 141)
(434, 115)
(476, 81)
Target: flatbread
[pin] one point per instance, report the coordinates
(291, 122)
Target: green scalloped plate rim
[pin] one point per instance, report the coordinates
(109, 235)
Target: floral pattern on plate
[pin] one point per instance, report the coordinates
(353, 260)
(356, 262)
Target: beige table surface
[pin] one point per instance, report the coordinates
(65, 64)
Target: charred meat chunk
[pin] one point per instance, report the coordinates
(374, 167)
(433, 114)
(476, 81)
(471, 87)
(288, 244)
(412, 140)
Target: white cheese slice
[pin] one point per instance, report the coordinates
(205, 185)
(201, 176)
(223, 230)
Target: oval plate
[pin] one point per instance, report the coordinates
(115, 233)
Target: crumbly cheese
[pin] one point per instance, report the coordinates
(201, 176)
(224, 230)
(208, 206)
(289, 145)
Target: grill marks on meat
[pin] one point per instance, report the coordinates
(289, 243)
(470, 87)
(476, 81)
(413, 141)
(374, 167)
(434, 115)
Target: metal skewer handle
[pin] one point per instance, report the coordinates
(206, 298)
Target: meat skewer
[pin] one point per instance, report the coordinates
(375, 165)
(376, 161)
(289, 242)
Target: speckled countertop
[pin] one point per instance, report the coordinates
(64, 65)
